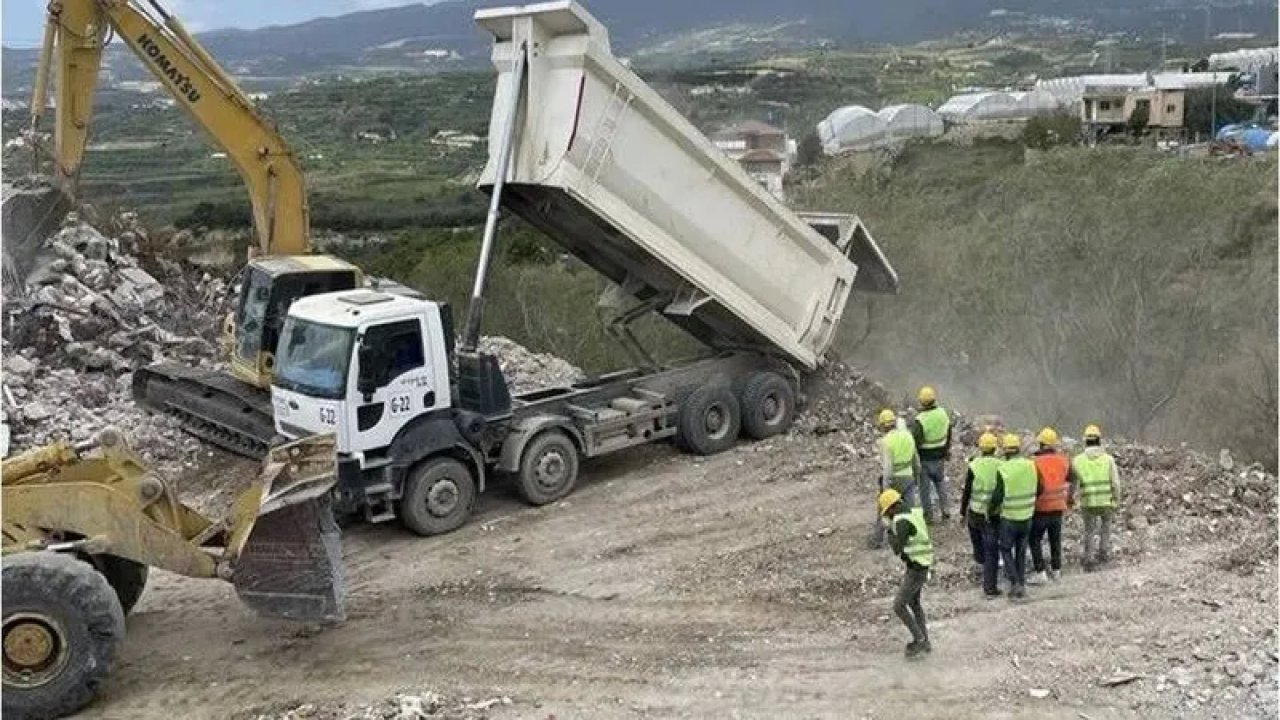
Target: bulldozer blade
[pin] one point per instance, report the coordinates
(285, 551)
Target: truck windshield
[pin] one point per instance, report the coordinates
(313, 359)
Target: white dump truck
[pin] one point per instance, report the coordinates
(583, 149)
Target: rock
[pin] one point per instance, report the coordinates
(1137, 522)
(19, 365)
(823, 532)
(37, 411)
(1038, 693)
(1224, 459)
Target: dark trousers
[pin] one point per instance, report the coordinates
(907, 603)
(1042, 525)
(985, 538)
(1013, 547)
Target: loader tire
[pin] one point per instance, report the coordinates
(438, 496)
(548, 468)
(62, 626)
(126, 577)
(768, 405)
(710, 419)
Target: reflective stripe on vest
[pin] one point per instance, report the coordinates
(1094, 473)
(1052, 469)
(933, 424)
(984, 471)
(1019, 476)
(902, 449)
(919, 548)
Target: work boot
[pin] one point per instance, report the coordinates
(1103, 558)
(1038, 578)
(1055, 575)
(1090, 566)
(914, 649)
(993, 594)
(925, 646)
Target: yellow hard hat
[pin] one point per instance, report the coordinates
(987, 442)
(927, 396)
(887, 500)
(886, 419)
(1048, 437)
(1012, 442)
(1092, 432)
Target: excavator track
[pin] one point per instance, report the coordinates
(211, 405)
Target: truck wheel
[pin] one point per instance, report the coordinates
(126, 577)
(548, 468)
(438, 496)
(768, 405)
(62, 627)
(709, 420)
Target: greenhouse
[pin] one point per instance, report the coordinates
(851, 127)
(979, 107)
(903, 122)
(1033, 103)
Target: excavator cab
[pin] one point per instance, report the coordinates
(269, 287)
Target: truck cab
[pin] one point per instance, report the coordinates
(363, 364)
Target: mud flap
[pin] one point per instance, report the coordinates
(286, 550)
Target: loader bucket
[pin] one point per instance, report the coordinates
(285, 550)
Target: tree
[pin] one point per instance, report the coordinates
(1138, 119)
(809, 151)
(1203, 112)
(1044, 132)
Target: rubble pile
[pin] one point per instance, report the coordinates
(838, 397)
(402, 706)
(85, 315)
(526, 370)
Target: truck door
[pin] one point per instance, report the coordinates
(395, 383)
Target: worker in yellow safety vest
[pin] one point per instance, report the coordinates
(899, 464)
(1098, 485)
(984, 535)
(931, 430)
(1013, 502)
(909, 538)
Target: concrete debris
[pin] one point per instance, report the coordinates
(526, 370)
(402, 706)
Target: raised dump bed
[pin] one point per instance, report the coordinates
(608, 169)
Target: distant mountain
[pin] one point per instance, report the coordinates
(443, 36)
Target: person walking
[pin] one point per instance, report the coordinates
(979, 482)
(909, 540)
(1013, 503)
(899, 465)
(931, 430)
(1099, 488)
(1055, 480)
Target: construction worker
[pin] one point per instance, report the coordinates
(1013, 502)
(1055, 481)
(1099, 486)
(909, 539)
(931, 430)
(979, 482)
(899, 464)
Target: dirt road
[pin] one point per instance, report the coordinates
(736, 586)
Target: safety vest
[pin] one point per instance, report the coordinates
(1019, 476)
(902, 449)
(934, 423)
(984, 469)
(919, 548)
(1052, 469)
(1094, 474)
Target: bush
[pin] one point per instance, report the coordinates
(1046, 131)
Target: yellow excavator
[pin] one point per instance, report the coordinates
(232, 410)
(84, 523)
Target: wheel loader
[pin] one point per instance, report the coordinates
(83, 524)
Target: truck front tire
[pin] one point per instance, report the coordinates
(548, 468)
(62, 626)
(768, 405)
(438, 496)
(710, 418)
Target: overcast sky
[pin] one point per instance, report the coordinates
(22, 21)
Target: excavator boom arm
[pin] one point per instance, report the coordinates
(78, 31)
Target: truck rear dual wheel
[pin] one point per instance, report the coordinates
(438, 496)
(768, 405)
(548, 468)
(62, 626)
(710, 418)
